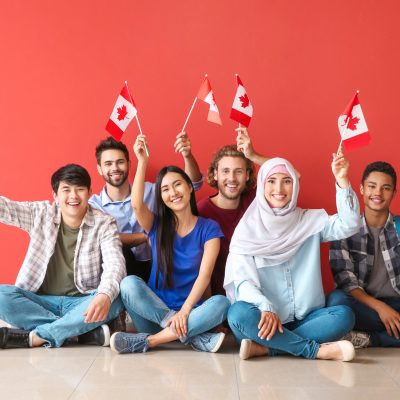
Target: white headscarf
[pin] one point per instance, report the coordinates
(275, 234)
(272, 234)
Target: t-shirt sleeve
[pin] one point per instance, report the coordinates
(211, 230)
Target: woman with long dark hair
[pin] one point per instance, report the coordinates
(184, 248)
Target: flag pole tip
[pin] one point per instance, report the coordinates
(236, 74)
(126, 82)
(205, 75)
(357, 91)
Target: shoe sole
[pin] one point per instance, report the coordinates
(244, 352)
(347, 348)
(106, 331)
(112, 343)
(218, 344)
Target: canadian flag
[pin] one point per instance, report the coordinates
(352, 126)
(242, 110)
(206, 94)
(122, 115)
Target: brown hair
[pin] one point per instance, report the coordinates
(230, 151)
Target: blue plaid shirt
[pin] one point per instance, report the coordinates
(352, 259)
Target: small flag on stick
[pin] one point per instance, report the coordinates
(242, 110)
(206, 94)
(352, 126)
(122, 115)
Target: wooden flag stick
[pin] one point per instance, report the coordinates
(190, 112)
(140, 130)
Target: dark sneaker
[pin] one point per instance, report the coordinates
(122, 342)
(99, 336)
(13, 338)
(360, 340)
(210, 342)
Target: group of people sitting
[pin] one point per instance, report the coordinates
(246, 258)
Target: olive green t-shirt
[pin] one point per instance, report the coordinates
(59, 279)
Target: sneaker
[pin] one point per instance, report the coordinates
(13, 338)
(210, 342)
(360, 340)
(99, 336)
(122, 342)
(249, 349)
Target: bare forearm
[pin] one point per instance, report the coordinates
(366, 299)
(138, 185)
(198, 289)
(192, 168)
(257, 158)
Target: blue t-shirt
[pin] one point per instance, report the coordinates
(187, 256)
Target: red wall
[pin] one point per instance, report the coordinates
(63, 64)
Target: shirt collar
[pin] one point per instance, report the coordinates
(364, 227)
(105, 199)
(88, 219)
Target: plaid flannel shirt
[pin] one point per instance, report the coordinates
(352, 259)
(98, 261)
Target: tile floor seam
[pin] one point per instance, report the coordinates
(84, 374)
(236, 376)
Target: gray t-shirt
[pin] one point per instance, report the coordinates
(59, 279)
(379, 283)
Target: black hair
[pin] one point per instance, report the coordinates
(380, 166)
(167, 224)
(73, 174)
(110, 144)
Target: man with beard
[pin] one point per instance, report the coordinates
(232, 172)
(113, 164)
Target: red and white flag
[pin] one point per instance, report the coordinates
(242, 110)
(122, 115)
(206, 94)
(352, 126)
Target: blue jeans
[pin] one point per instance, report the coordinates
(299, 337)
(150, 314)
(367, 319)
(52, 318)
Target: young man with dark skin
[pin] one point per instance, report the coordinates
(232, 172)
(68, 284)
(113, 164)
(366, 266)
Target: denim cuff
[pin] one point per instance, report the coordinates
(167, 317)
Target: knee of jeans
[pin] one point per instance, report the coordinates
(347, 317)
(6, 297)
(337, 298)
(238, 312)
(131, 287)
(221, 304)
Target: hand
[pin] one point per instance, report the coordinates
(390, 318)
(139, 148)
(243, 142)
(98, 309)
(179, 322)
(182, 144)
(340, 168)
(268, 324)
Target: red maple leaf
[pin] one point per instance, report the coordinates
(353, 121)
(122, 113)
(244, 100)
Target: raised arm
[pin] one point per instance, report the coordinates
(144, 216)
(182, 145)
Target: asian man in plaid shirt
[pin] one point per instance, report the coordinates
(68, 284)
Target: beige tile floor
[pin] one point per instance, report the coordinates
(176, 372)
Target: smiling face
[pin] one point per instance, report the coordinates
(231, 177)
(73, 201)
(278, 190)
(114, 167)
(377, 191)
(175, 191)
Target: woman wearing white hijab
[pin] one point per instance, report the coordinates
(273, 271)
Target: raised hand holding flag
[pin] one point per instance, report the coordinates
(352, 126)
